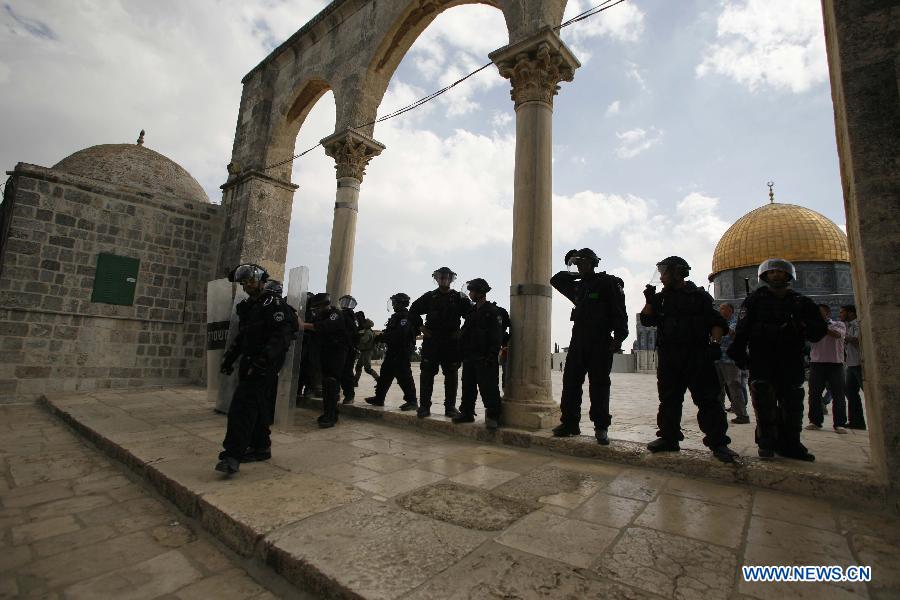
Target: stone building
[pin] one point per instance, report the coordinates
(814, 244)
(104, 261)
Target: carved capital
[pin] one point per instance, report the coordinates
(536, 66)
(351, 151)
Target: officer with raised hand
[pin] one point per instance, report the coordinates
(600, 323)
(399, 336)
(348, 379)
(482, 336)
(334, 343)
(689, 331)
(443, 308)
(774, 322)
(266, 328)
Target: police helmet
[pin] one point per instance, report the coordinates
(320, 299)
(573, 256)
(675, 261)
(444, 272)
(776, 264)
(274, 286)
(347, 301)
(478, 285)
(248, 272)
(400, 298)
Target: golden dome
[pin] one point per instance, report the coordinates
(784, 231)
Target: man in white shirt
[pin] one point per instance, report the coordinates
(826, 367)
(855, 417)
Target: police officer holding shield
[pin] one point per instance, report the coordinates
(266, 328)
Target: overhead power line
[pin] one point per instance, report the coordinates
(606, 5)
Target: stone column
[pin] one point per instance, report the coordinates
(351, 152)
(534, 67)
(861, 42)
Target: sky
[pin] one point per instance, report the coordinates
(677, 119)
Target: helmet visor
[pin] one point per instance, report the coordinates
(347, 302)
(246, 273)
(777, 264)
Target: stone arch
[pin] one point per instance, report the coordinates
(292, 114)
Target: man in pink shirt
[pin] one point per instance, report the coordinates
(826, 367)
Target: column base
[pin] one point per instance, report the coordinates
(530, 415)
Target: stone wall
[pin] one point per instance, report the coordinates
(52, 337)
(861, 41)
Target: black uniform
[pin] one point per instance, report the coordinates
(348, 377)
(481, 337)
(334, 343)
(775, 330)
(310, 383)
(504, 341)
(265, 330)
(599, 317)
(684, 318)
(400, 337)
(443, 311)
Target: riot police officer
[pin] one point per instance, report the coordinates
(600, 323)
(481, 338)
(265, 330)
(689, 332)
(443, 308)
(400, 337)
(348, 380)
(774, 321)
(334, 343)
(310, 383)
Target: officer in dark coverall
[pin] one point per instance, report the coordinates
(334, 343)
(443, 308)
(774, 321)
(481, 338)
(600, 325)
(688, 337)
(348, 379)
(399, 336)
(310, 383)
(266, 328)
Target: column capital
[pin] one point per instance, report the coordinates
(351, 151)
(535, 66)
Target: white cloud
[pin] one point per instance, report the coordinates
(622, 23)
(635, 141)
(759, 44)
(633, 71)
(587, 212)
(501, 119)
(613, 108)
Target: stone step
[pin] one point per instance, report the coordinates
(781, 474)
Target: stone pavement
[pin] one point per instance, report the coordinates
(367, 510)
(633, 404)
(72, 525)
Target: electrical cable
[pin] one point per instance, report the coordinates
(606, 5)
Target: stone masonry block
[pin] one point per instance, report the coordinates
(32, 372)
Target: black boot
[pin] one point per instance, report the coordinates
(663, 445)
(563, 430)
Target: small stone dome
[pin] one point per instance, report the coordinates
(134, 166)
(779, 230)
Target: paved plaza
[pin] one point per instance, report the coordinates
(376, 511)
(73, 525)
